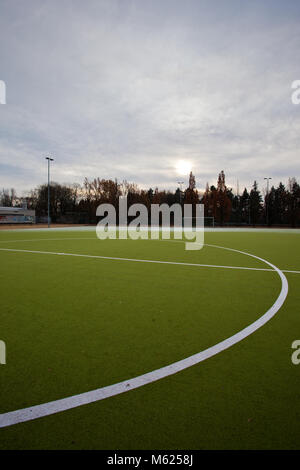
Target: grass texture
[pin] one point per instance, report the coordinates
(74, 324)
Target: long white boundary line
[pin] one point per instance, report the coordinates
(56, 406)
(145, 260)
(133, 259)
(126, 259)
(49, 239)
(92, 228)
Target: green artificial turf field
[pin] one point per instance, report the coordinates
(75, 324)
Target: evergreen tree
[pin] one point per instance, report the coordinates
(255, 203)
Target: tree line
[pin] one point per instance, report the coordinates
(78, 203)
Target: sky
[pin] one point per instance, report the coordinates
(147, 90)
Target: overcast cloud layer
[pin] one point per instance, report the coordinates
(124, 89)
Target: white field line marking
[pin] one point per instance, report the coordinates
(56, 406)
(133, 259)
(288, 271)
(145, 260)
(127, 259)
(49, 239)
(91, 228)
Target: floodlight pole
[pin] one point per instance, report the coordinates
(180, 189)
(249, 214)
(267, 201)
(49, 160)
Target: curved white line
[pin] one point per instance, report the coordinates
(56, 406)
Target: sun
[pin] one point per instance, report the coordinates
(183, 167)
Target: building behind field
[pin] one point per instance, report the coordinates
(16, 215)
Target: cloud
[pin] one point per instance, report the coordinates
(125, 89)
